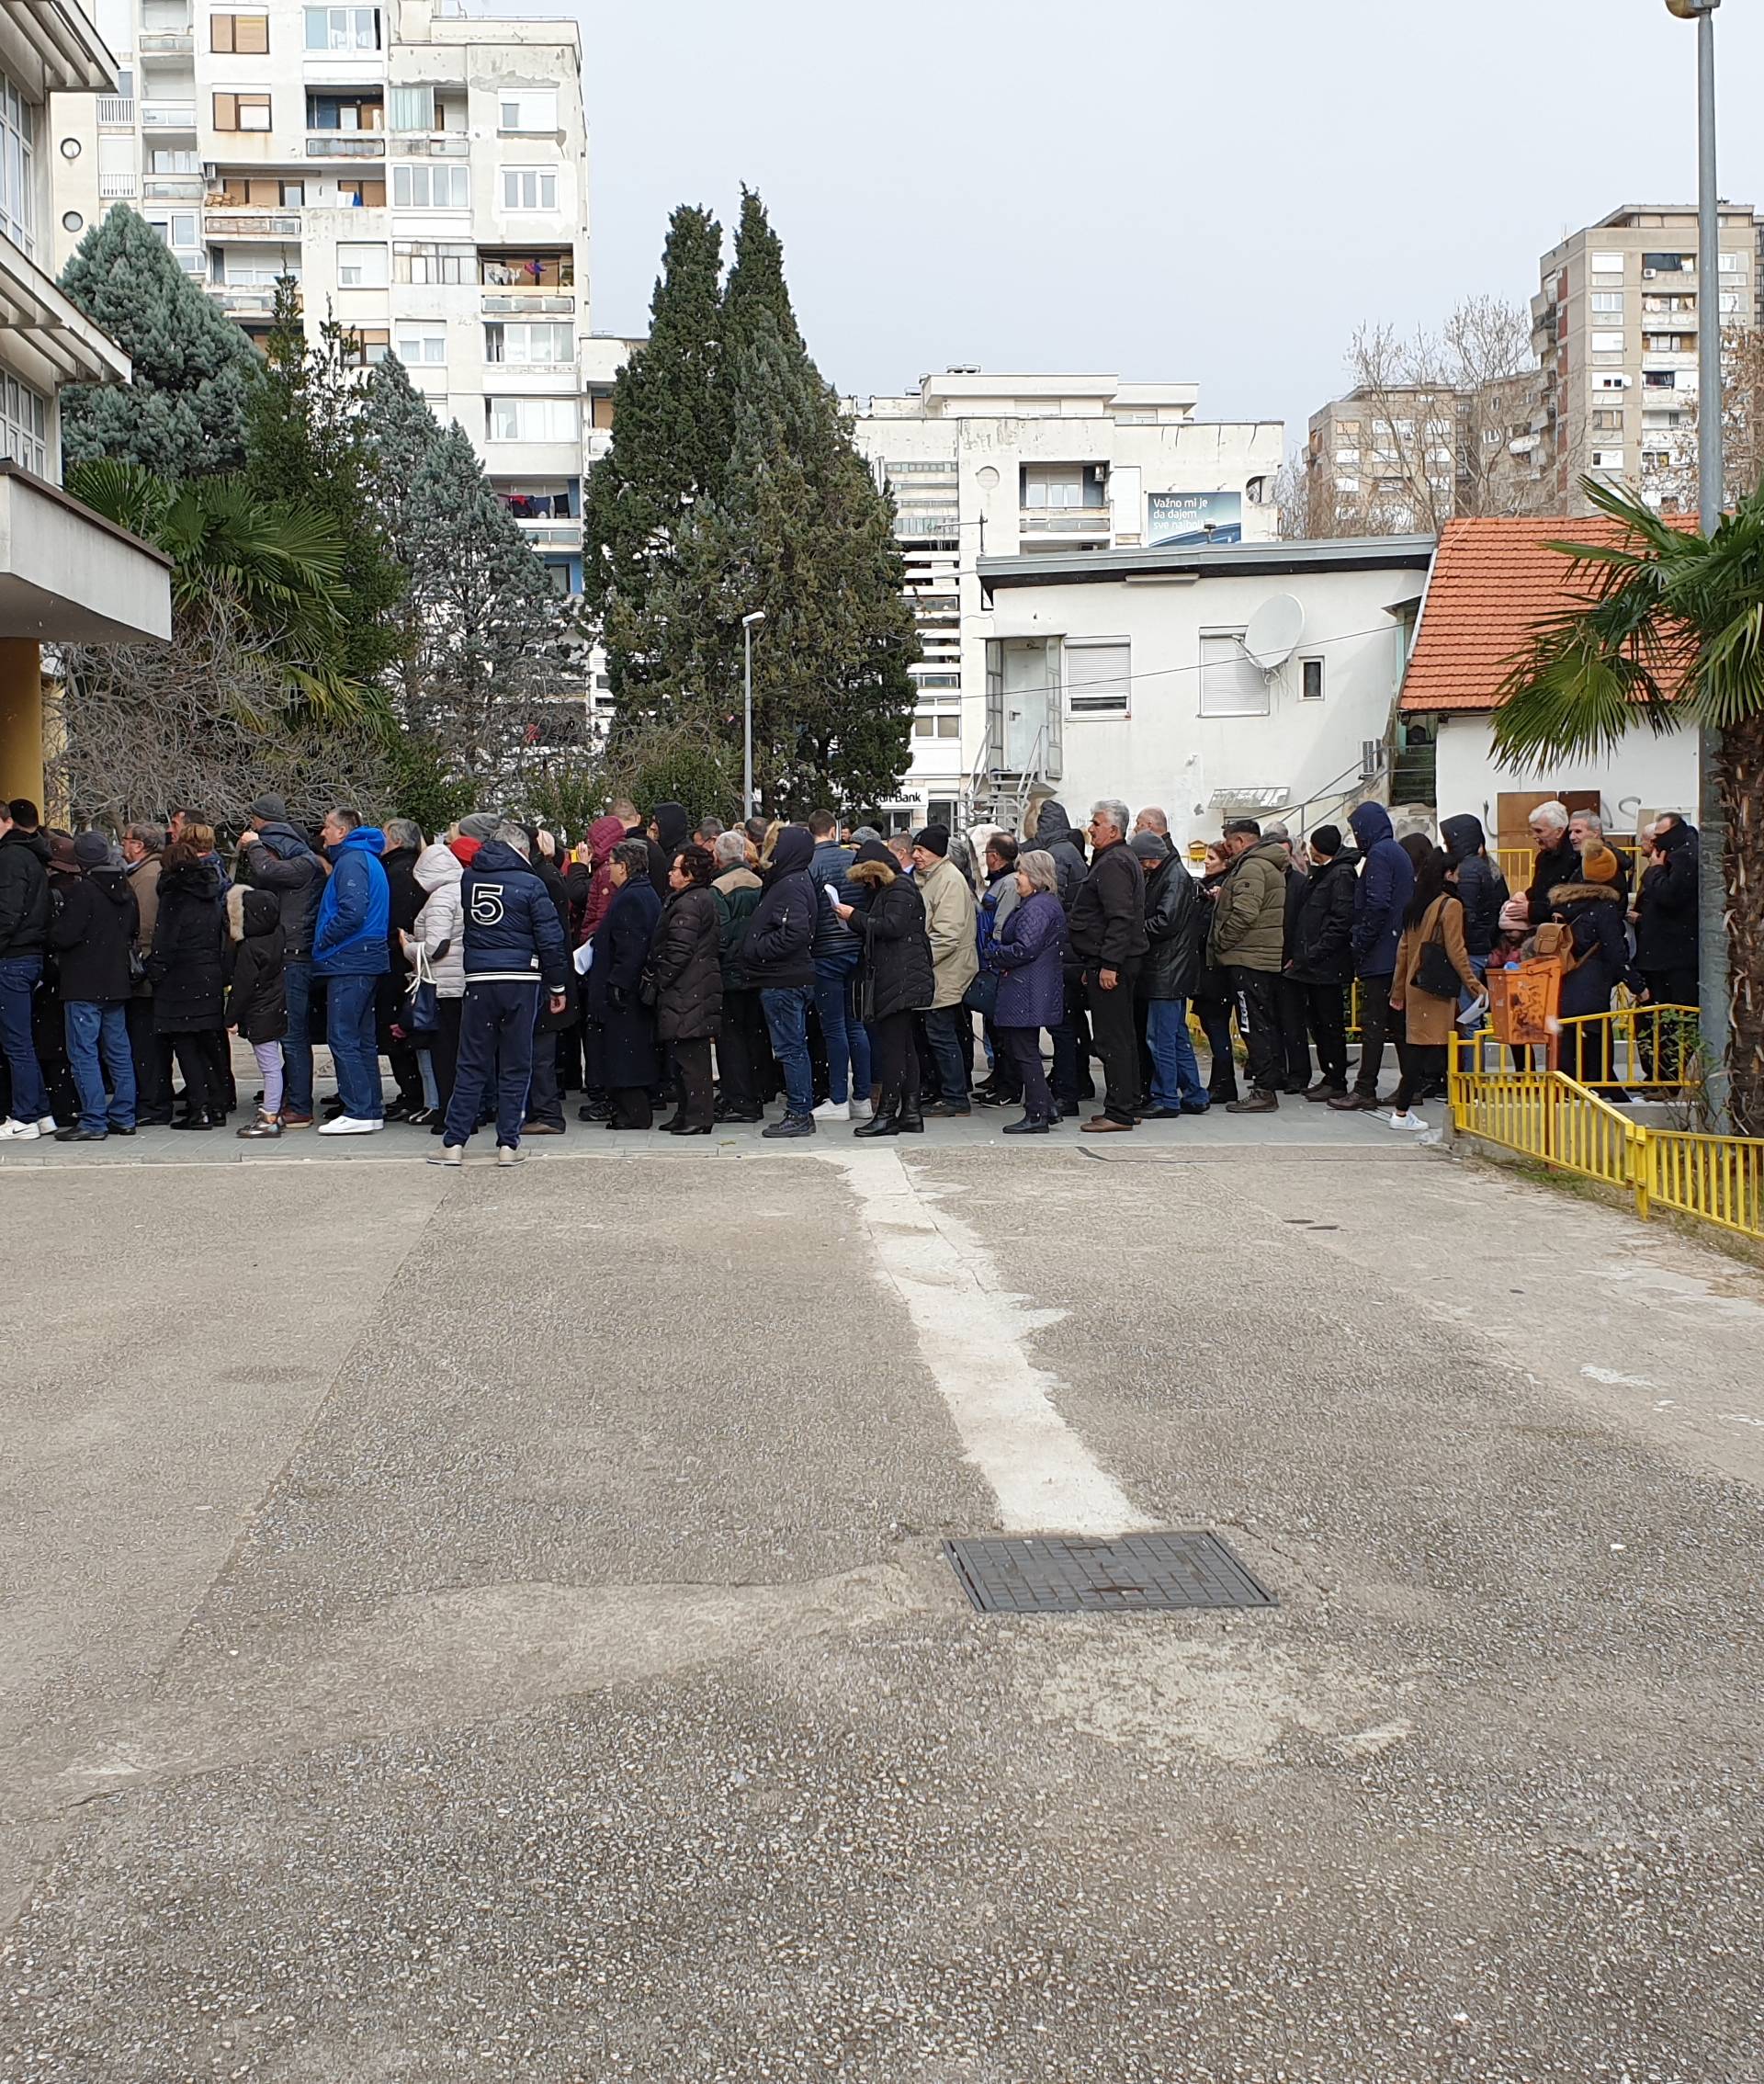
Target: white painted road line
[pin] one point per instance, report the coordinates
(973, 1338)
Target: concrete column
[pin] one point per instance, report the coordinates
(21, 718)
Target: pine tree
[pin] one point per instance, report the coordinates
(669, 442)
(183, 414)
(756, 281)
(308, 441)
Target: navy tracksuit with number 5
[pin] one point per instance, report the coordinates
(513, 950)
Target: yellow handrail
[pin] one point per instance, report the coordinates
(1633, 1049)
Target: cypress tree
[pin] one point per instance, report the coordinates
(669, 441)
(183, 414)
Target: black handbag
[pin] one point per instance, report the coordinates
(1436, 973)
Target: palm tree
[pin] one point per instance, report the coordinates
(1672, 634)
(278, 563)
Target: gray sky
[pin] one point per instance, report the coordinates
(1210, 189)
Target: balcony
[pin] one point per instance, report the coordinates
(435, 144)
(1066, 521)
(115, 112)
(115, 185)
(168, 115)
(237, 302)
(173, 188)
(528, 303)
(552, 534)
(927, 524)
(165, 43)
(346, 145)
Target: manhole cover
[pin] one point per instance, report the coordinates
(1138, 1574)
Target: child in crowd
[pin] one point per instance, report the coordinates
(257, 1003)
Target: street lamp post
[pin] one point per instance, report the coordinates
(1712, 892)
(749, 624)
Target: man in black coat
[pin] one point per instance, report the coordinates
(1666, 916)
(1319, 957)
(1108, 944)
(514, 953)
(24, 937)
(93, 933)
(1557, 863)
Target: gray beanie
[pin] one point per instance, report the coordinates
(270, 806)
(1148, 846)
(478, 826)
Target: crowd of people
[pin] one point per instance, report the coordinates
(879, 981)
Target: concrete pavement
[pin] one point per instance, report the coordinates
(493, 1625)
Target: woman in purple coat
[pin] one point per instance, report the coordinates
(1029, 956)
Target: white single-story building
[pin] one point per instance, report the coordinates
(1212, 680)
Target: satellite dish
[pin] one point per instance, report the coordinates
(1274, 631)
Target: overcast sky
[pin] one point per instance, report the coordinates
(1215, 190)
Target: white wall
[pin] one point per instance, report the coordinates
(1644, 775)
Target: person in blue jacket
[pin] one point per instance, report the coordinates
(513, 950)
(1380, 898)
(349, 952)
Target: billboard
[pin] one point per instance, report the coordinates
(1179, 519)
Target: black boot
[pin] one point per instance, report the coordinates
(886, 1121)
(910, 1121)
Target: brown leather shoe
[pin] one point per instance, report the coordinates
(1105, 1125)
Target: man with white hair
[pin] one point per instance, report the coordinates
(1152, 819)
(1586, 828)
(1557, 862)
(1108, 943)
(513, 950)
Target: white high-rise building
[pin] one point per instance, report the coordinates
(990, 464)
(422, 174)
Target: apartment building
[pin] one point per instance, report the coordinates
(65, 576)
(985, 463)
(1405, 457)
(421, 174)
(1615, 325)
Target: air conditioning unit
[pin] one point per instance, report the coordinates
(1372, 758)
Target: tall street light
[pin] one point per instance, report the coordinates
(1713, 907)
(749, 624)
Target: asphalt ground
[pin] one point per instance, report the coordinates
(494, 1625)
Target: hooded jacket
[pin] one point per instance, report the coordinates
(187, 964)
(283, 863)
(894, 975)
(779, 950)
(92, 935)
(1054, 835)
(950, 918)
(1482, 889)
(1594, 914)
(672, 830)
(257, 1004)
(512, 934)
(1173, 929)
(24, 894)
(1108, 915)
(1249, 928)
(355, 907)
(628, 1056)
(441, 918)
(1381, 896)
(737, 895)
(590, 883)
(1666, 914)
(1322, 941)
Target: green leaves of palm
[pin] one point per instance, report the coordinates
(278, 563)
(1672, 632)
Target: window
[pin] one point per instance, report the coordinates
(1659, 380)
(1310, 675)
(364, 344)
(177, 228)
(24, 426)
(531, 419)
(550, 344)
(1098, 677)
(343, 28)
(422, 260)
(1733, 264)
(17, 169)
(1669, 263)
(168, 159)
(440, 186)
(530, 187)
(1231, 683)
(1669, 344)
(1732, 300)
(419, 344)
(248, 35)
(361, 266)
(1607, 342)
(242, 112)
(1606, 264)
(413, 107)
(529, 109)
(529, 271)
(949, 727)
(1607, 300)
(1607, 459)
(345, 112)
(1607, 423)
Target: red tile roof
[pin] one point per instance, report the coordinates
(1492, 579)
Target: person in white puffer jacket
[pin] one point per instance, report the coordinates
(439, 941)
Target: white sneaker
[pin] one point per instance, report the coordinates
(347, 1125)
(47, 1125)
(19, 1132)
(833, 1111)
(448, 1154)
(1410, 1120)
(861, 1111)
(510, 1154)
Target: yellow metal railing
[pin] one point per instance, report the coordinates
(1554, 1118)
(1518, 864)
(1633, 1049)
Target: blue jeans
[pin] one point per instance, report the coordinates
(1176, 1080)
(785, 1007)
(950, 1032)
(840, 1032)
(19, 976)
(296, 1044)
(91, 1027)
(496, 1043)
(349, 1029)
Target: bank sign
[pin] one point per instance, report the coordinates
(1180, 519)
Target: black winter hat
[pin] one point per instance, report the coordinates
(934, 839)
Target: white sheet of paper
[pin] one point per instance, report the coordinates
(584, 958)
